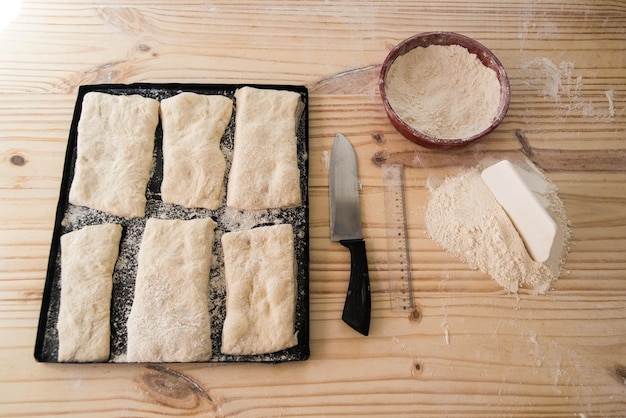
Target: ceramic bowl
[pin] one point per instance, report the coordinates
(444, 38)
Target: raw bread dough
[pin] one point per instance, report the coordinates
(114, 153)
(169, 320)
(88, 258)
(264, 172)
(193, 164)
(259, 267)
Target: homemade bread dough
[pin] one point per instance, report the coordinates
(264, 172)
(259, 267)
(114, 153)
(88, 258)
(443, 91)
(169, 320)
(193, 164)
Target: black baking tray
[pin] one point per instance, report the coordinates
(70, 217)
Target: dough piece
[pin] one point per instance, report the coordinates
(264, 172)
(169, 320)
(114, 153)
(193, 164)
(88, 258)
(259, 267)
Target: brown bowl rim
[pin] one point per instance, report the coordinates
(484, 54)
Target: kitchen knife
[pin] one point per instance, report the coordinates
(345, 227)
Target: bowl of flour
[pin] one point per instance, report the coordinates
(443, 90)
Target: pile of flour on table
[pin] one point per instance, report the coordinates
(465, 219)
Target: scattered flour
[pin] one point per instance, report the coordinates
(609, 97)
(543, 75)
(559, 83)
(326, 159)
(465, 219)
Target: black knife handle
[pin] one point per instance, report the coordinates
(358, 306)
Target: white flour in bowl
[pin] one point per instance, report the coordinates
(443, 91)
(465, 219)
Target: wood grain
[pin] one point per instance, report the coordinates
(470, 349)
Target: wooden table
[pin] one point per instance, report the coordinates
(473, 350)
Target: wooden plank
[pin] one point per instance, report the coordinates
(470, 349)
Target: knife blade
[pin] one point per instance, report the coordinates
(345, 227)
